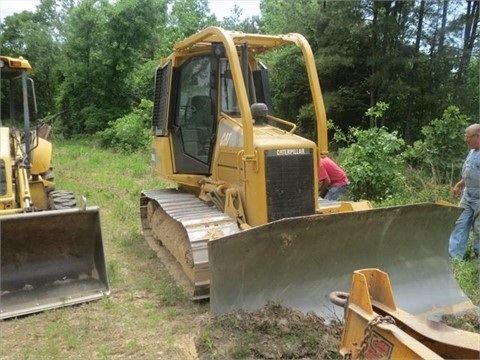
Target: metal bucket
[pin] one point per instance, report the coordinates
(298, 262)
(50, 259)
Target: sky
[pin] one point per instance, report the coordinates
(221, 8)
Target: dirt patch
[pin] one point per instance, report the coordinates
(468, 321)
(277, 332)
(274, 332)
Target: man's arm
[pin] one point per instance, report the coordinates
(324, 184)
(457, 189)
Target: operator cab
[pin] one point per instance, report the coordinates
(202, 90)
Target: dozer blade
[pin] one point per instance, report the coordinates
(50, 259)
(298, 262)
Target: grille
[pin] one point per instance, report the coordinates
(3, 180)
(160, 111)
(289, 183)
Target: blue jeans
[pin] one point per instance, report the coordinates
(457, 245)
(334, 192)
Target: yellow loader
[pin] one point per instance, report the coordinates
(244, 221)
(51, 250)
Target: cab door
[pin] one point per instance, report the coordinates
(194, 122)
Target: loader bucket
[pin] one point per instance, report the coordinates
(50, 259)
(298, 262)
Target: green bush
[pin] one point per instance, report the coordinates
(374, 163)
(130, 132)
(417, 188)
(440, 155)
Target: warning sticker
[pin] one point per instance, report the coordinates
(378, 348)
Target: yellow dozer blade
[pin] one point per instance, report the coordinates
(51, 259)
(298, 262)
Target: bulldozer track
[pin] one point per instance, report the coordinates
(179, 225)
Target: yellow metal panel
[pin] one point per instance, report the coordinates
(4, 142)
(254, 191)
(39, 195)
(343, 206)
(42, 157)
(228, 166)
(7, 199)
(162, 160)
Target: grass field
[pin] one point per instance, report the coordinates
(147, 316)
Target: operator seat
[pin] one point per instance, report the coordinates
(202, 111)
(199, 126)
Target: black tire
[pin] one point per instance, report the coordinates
(61, 199)
(48, 175)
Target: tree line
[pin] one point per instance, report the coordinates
(93, 60)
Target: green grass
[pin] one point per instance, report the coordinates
(467, 274)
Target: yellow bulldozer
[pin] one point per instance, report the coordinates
(244, 221)
(51, 250)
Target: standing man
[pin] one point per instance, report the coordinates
(468, 188)
(332, 179)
